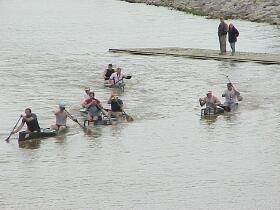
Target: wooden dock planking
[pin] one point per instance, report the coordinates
(204, 54)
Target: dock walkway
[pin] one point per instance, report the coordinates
(263, 58)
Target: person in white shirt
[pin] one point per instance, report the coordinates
(230, 95)
(87, 91)
(118, 77)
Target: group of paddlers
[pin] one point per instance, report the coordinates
(92, 104)
(231, 95)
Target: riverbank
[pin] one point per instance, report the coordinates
(253, 10)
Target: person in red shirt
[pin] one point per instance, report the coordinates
(93, 106)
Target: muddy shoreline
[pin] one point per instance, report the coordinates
(253, 10)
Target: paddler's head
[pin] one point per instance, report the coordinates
(114, 97)
(110, 66)
(209, 94)
(91, 94)
(61, 107)
(87, 90)
(119, 70)
(28, 112)
(229, 86)
(222, 19)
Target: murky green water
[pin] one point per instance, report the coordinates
(167, 158)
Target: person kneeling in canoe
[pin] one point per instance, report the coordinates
(31, 122)
(61, 118)
(212, 102)
(231, 95)
(116, 79)
(93, 106)
(107, 73)
(116, 106)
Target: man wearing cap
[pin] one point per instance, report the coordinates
(61, 118)
(230, 95)
(107, 73)
(116, 105)
(212, 102)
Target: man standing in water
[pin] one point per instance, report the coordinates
(31, 121)
(222, 33)
(231, 95)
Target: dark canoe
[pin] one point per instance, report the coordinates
(120, 86)
(45, 132)
(208, 112)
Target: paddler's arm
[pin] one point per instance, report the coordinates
(202, 102)
(236, 91)
(18, 128)
(71, 117)
(217, 102)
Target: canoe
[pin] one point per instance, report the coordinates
(208, 112)
(105, 121)
(120, 86)
(44, 132)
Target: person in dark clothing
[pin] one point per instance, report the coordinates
(30, 120)
(116, 105)
(108, 72)
(233, 33)
(222, 33)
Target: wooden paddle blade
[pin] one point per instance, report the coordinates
(129, 118)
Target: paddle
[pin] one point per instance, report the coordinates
(128, 117)
(72, 118)
(7, 139)
(239, 98)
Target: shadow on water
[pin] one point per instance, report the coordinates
(30, 144)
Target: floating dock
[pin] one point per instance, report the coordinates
(263, 58)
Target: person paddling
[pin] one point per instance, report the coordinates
(230, 94)
(93, 106)
(61, 117)
(117, 78)
(31, 122)
(211, 102)
(116, 106)
(108, 72)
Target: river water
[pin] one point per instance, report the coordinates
(168, 158)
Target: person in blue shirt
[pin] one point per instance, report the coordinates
(116, 105)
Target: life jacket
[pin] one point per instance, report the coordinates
(109, 72)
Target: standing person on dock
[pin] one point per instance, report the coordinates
(222, 33)
(233, 33)
(108, 72)
(31, 122)
(61, 118)
(230, 95)
(93, 106)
